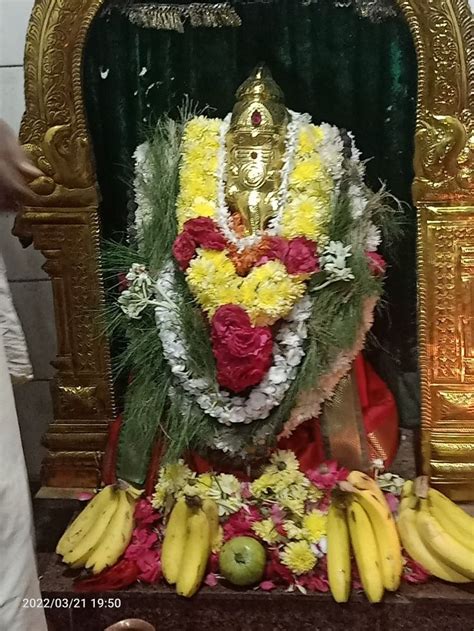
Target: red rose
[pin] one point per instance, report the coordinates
(184, 249)
(238, 375)
(301, 256)
(228, 318)
(205, 233)
(298, 255)
(243, 352)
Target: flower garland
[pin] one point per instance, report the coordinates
(274, 304)
(287, 354)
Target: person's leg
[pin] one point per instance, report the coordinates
(20, 597)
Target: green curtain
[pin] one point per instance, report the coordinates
(339, 67)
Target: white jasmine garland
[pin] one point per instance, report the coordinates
(221, 405)
(143, 174)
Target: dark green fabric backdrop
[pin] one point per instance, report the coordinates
(340, 68)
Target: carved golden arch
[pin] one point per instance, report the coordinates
(62, 221)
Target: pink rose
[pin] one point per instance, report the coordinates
(184, 249)
(301, 256)
(205, 233)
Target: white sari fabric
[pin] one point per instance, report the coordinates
(20, 604)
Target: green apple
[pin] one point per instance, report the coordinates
(242, 561)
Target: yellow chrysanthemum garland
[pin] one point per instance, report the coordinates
(269, 292)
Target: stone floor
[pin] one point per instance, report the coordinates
(432, 607)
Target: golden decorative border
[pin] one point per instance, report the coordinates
(62, 221)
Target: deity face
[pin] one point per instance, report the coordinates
(255, 147)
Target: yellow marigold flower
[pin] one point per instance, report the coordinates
(309, 138)
(314, 525)
(292, 481)
(266, 530)
(200, 126)
(307, 216)
(298, 557)
(262, 485)
(195, 185)
(269, 293)
(306, 171)
(284, 460)
(293, 531)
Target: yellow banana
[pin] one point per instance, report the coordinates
(415, 546)
(195, 555)
(365, 552)
(386, 536)
(452, 518)
(442, 545)
(115, 538)
(338, 554)
(84, 521)
(211, 511)
(174, 541)
(363, 482)
(94, 534)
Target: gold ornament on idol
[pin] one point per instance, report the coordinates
(255, 146)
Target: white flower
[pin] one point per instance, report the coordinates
(374, 238)
(333, 261)
(358, 201)
(139, 294)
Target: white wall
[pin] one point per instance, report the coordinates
(30, 286)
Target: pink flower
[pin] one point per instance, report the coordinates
(276, 571)
(205, 233)
(314, 582)
(301, 256)
(377, 263)
(267, 586)
(327, 475)
(392, 501)
(211, 580)
(413, 572)
(240, 523)
(149, 565)
(145, 514)
(184, 249)
(142, 541)
(277, 514)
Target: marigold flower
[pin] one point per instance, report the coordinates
(298, 557)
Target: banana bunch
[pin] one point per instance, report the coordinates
(367, 524)
(436, 533)
(191, 534)
(99, 535)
